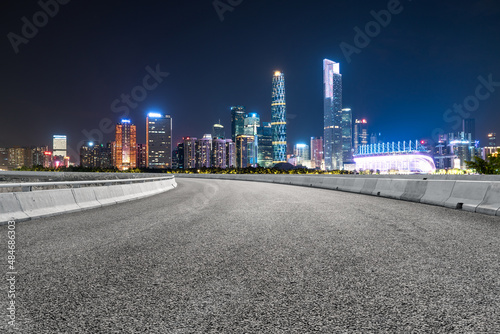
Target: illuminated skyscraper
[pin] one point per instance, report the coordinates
(219, 159)
(243, 144)
(159, 140)
(265, 154)
(316, 152)
(278, 118)
(189, 152)
(301, 151)
(346, 128)
(204, 151)
(332, 83)
(59, 145)
(125, 145)
(230, 154)
(252, 128)
(237, 121)
(360, 134)
(218, 131)
(492, 139)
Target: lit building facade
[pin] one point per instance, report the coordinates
(190, 152)
(401, 157)
(237, 121)
(179, 156)
(204, 151)
(278, 118)
(243, 144)
(159, 141)
(218, 131)
(316, 152)
(332, 84)
(492, 139)
(59, 146)
(230, 154)
(301, 152)
(125, 145)
(346, 129)
(219, 159)
(360, 133)
(142, 156)
(265, 138)
(4, 158)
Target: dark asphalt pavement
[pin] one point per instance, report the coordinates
(217, 256)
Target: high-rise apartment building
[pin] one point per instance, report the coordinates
(237, 121)
(190, 152)
(230, 154)
(4, 158)
(316, 152)
(204, 151)
(278, 118)
(219, 159)
(159, 141)
(332, 83)
(125, 145)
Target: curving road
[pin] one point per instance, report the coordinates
(217, 256)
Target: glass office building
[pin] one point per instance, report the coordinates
(237, 121)
(159, 140)
(278, 118)
(332, 83)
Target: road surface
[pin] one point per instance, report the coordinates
(217, 256)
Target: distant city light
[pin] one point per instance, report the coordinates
(47, 153)
(459, 142)
(59, 137)
(301, 145)
(155, 114)
(364, 121)
(91, 143)
(277, 73)
(125, 121)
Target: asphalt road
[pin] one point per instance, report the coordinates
(215, 256)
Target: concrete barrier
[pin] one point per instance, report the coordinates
(437, 192)
(85, 198)
(491, 203)
(42, 203)
(10, 208)
(467, 195)
(414, 190)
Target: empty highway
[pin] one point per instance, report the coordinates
(217, 256)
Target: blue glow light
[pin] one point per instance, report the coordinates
(91, 143)
(125, 121)
(155, 114)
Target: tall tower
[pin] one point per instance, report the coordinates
(346, 128)
(125, 149)
(332, 83)
(237, 121)
(218, 131)
(159, 141)
(278, 118)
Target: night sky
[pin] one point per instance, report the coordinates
(66, 77)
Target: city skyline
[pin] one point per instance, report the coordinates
(408, 73)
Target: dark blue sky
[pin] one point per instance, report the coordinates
(65, 78)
